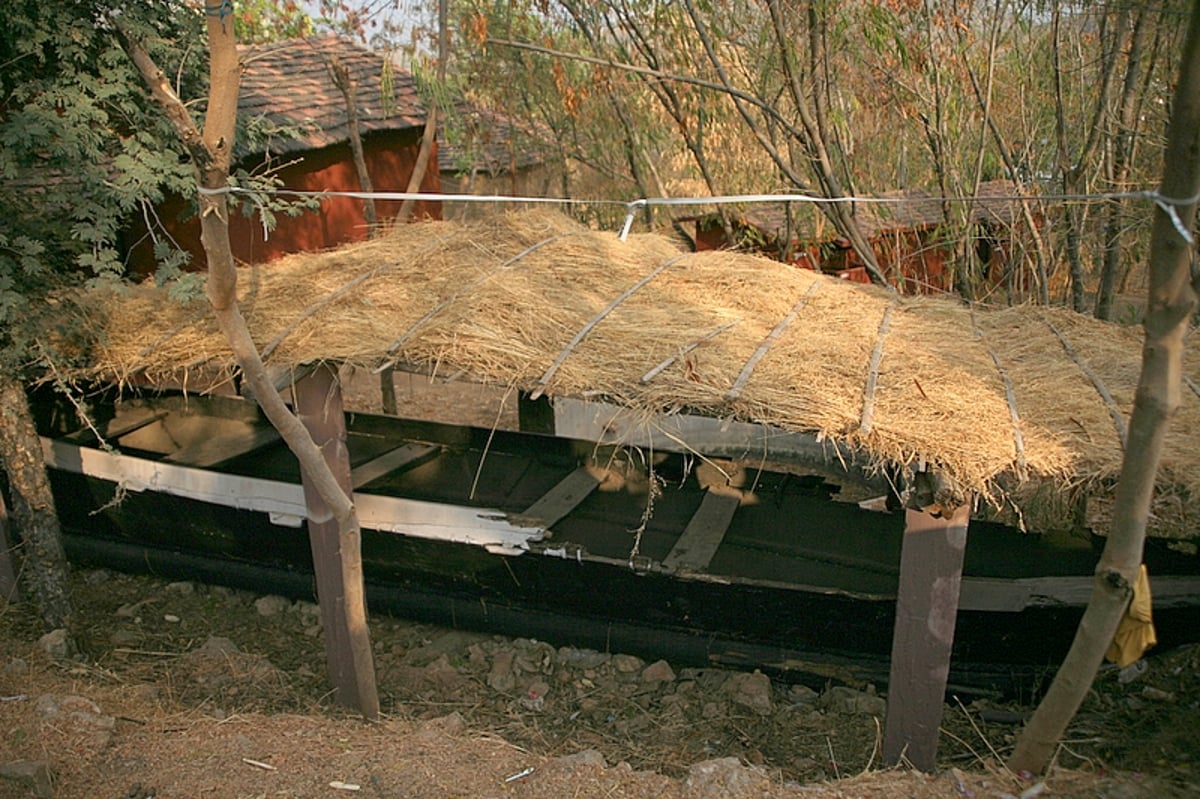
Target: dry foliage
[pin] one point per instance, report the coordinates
(509, 300)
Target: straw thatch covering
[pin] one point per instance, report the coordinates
(1025, 406)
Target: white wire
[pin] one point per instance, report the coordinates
(1169, 205)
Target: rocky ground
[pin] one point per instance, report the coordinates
(180, 689)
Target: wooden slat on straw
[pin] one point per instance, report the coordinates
(342, 291)
(164, 338)
(441, 306)
(1009, 394)
(1113, 410)
(582, 334)
(868, 411)
(656, 371)
(1192, 385)
(768, 342)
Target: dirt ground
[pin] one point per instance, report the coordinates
(182, 690)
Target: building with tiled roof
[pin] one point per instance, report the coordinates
(288, 86)
(910, 231)
(294, 124)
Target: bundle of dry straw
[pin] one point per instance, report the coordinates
(1025, 406)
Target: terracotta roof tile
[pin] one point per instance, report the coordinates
(489, 141)
(289, 83)
(914, 209)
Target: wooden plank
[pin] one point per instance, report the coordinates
(400, 459)
(544, 380)
(337, 554)
(114, 431)
(284, 502)
(999, 595)
(214, 451)
(605, 423)
(560, 500)
(931, 560)
(703, 535)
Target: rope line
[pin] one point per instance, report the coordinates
(1169, 205)
(769, 342)
(1010, 396)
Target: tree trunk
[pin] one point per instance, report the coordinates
(1119, 153)
(9, 590)
(349, 90)
(34, 517)
(425, 156)
(1172, 302)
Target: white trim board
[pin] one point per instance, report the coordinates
(284, 502)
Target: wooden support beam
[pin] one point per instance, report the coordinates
(562, 499)
(214, 451)
(704, 532)
(402, 458)
(347, 645)
(113, 431)
(931, 560)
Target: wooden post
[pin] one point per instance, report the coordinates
(535, 415)
(931, 561)
(351, 669)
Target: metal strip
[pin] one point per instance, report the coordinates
(284, 502)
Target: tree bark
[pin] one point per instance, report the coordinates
(1172, 302)
(33, 514)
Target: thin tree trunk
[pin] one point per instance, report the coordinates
(211, 153)
(841, 214)
(1010, 166)
(1172, 301)
(33, 513)
(1072, 174)
(429, 138)
(1121, 150)
(349, 90)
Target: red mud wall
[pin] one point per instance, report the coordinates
(390, 157)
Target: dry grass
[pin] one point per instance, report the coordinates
(511, 300)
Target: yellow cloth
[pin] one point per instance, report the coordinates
(1135, 633)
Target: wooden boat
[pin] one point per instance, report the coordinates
(736, 553)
